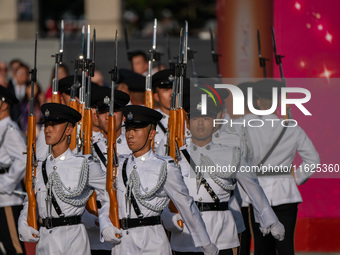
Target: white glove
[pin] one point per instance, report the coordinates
(210, 249)
(26, 233)
(278, 231)
(265, 231)
(109, 235)
(170, 220)
(90, 221)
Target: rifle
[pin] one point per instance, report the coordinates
(74, 105)
(112, 160)
(127, 46)
(148, 81)
(82, 66)
(171, 64)
(31, 146)
(278, 60)
(261, 59)
(58, 61)
(87, 117)
(181, 73)
(75, 140)
(214, 54)
(176, 128)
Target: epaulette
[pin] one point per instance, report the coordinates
(165, 158)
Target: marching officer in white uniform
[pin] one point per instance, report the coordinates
(145, 184)
(162, 89)
(212, 191)
(101, 102)
(64, 183)
(12, 171)
(64, 88)
(280, 188)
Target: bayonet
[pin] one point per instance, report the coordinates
(214, 54)
(261, 59)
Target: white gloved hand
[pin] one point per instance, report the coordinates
(170, 220)
(278, 231)
(90, 220)
(109, 235)
(265, 231)
(210, 249)
(26, 233)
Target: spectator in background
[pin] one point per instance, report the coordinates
(62, 73)
(3, 74)
(17, 86)
(98, 78)
(14, 65)
(38, 101)
(21, 78)
(139, 61)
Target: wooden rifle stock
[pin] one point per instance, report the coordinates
(172, 134)
(180, 130)
(91, 205)
(149, 99)
(55, 98)
(111, 172)
(73, 141)
(172, 150)
(30, 174)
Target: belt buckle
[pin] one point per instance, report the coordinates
(124, 224)
(48, 223)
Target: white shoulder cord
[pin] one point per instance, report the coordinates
(75, 197)
(134, 182)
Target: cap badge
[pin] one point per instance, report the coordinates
(129, 116)
(107, 100)
(171, 78)
(47, 113)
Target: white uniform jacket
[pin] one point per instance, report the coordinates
(122, 148)
(220, 224)
(12, 145)
(282, 189)
(71, 239)
(152, 239)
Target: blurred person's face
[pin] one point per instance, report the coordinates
(98, 78)
(65, 99)
(14, 67)
(103, 119)
(62, 73)
(3, 70)
(139, 64)
(163, 96)
(201, 128)
(22, 75)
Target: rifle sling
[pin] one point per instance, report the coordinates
(273, 147)
(54, 201)
(206, 185)
(162, 127)
(100, 154)
(133, 200)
